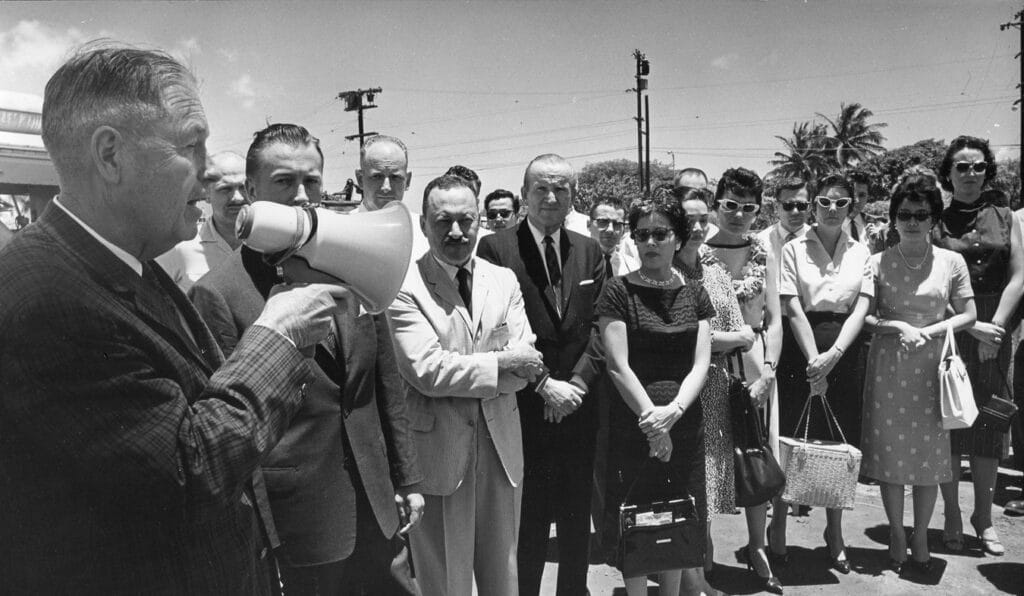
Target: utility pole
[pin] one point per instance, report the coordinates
(643, 68)
(359, 100)
(673, 154)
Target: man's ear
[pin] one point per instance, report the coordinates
(250, 190)
(423, 224)
(408, 178)
(108, 150)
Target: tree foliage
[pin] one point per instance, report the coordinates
(617, 178)
(885, 168)
(818, 148)
(851, 137)
(805, 154)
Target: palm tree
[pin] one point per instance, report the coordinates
(852, 138)
(805, 154)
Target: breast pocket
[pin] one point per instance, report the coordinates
(496, 338)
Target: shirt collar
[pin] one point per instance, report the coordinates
(452, 270)
(127, 258)
(783, 232)
(538, 236)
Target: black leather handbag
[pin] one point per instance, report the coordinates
(759, 477)
(997, 413)
(660, 535)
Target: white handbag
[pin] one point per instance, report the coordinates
(956, 398)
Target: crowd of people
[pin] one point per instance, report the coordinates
(180, 414)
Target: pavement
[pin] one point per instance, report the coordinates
(866, 532)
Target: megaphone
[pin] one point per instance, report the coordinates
(369, 251)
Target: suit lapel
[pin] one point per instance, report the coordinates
(532, 260)
(570, 272)
(443, 287)
(480, 293)
(162, 305)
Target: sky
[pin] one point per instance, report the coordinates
(490, 85)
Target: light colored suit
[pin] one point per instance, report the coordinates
(466, 424)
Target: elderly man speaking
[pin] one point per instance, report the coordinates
(127, 443)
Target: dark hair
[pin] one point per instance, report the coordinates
(740, 182)
(613, 202)
(917, 188)
(106, 84)
(501, 193)
(966, 142)
(791, 183)
(446, 182)
(670, 210)
(695, 194)
(289, 134)
(858, 176)
(834, 181)
(468, 175)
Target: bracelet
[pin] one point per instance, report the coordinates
(540, 384)
(770, 364)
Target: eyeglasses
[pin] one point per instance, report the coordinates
(496, 213)
(659, 234)
(800, 206)
(729, 206)
(602, 223)
(978, 167)
(827, 203)
(921, 216)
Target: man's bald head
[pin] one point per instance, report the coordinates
(549, 186)
(383, 173)
(225, 186)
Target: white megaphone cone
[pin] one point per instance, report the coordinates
(369, 251)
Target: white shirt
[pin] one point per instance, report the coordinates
(857, 220)
(774, 238)
(824, 283)
(123, 255)
(577, 222)
(192, 259)
(623, 263)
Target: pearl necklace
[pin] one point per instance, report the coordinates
(657, 282)
(899, 249)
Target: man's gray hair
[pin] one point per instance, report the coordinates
(105, 84)
(371, 141)
(553, 159)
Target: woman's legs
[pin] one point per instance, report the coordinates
(780, 509)
(984, 471)
(834, 532)
(757, 517)
(709, 549)
(924, 505)
(636, 586)
(953, 525)
(892, 501)
(690, 582)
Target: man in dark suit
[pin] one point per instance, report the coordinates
(127, 443)
(561, 274)
(330, 482)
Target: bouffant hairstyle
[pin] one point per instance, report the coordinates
(833, 181)
(670, 210)
(741, 182)
(918, 188)
(958, 144)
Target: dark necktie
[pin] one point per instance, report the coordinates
(789, 236)
(853, 229)
(609, 272)
(465, 287)
(551, 259)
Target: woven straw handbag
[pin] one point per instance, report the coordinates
(819, 473)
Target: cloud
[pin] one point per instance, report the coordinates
(229, 55)
(242, 88)
(30, 53)
(185, 49)
(726, 61)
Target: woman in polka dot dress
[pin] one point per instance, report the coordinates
(903, 441)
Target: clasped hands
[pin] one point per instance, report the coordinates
(990, 339)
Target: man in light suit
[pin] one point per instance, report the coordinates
(330, 484)
(464, 346)
(561, 274)
(127, 443)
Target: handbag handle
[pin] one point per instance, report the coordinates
(805, 418)
(949, 345)
(739, 363)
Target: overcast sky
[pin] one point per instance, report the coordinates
(490, 85)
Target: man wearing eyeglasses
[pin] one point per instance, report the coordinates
(792, 204)
(607, 225)
(501, 208)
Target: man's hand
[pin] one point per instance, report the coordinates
(303, 313)
(410, 509)
(551, 416)
(562, 396)
(521, 360)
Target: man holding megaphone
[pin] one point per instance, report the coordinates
(329, 499)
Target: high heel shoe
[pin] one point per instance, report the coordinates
(768, 584)
(897, 565)
(775, 560)
(989, 539)
(840, 565)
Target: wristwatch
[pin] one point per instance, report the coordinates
(770, 364)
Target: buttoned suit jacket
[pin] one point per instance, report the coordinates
(309, 495)
(125, 446)
(561, 339)
(447, 357)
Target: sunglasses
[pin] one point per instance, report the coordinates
(729, 206)
(921, 216)
(978, 167)
(496, 213)
(800, 206)
(827, 203)
(659, 234)
(602, 223)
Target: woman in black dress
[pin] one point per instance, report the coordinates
(656, 332)
(985, 234)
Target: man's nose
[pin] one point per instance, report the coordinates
(386, 184)
(455, 231)
(300, 198)
(238, 196)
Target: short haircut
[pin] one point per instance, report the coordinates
(740, 182)
(791, 183)
(917, 188)
(688, 171)
(289, 134)
(445, 182)
(858, 176)
(467, 174)
(670, 210)
(613, 202)
(501, 193)
(551, 158)
(697, 194)
(371, 141)
(833, 181)
(106, 84)
(966, 142)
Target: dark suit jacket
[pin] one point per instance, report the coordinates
(354, 419)
(562, 340)
(125, 446)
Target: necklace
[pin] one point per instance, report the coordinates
(899, 249)
(657, 282)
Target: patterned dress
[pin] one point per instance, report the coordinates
(714, 398)
(903, 440)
